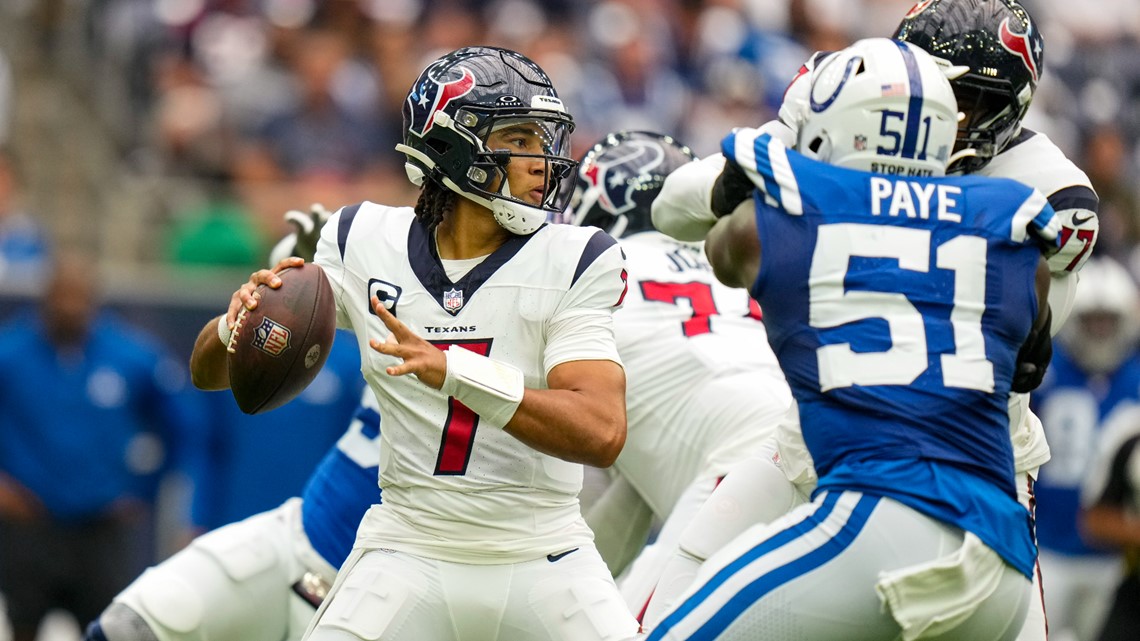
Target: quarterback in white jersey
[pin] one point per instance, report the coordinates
(1002, 148)
(703, 388)
(488, 340)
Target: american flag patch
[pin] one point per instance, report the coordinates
(894, 89)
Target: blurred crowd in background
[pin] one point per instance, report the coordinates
(165, 138)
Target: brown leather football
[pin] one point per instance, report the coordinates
(278, 348)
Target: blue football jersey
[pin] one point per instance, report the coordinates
(1073, 408)
(896, 307)
(344, 485)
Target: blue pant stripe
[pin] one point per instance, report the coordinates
(775, 578)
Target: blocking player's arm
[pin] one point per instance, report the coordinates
(1037, 351)
(733, 247)
(208, 368)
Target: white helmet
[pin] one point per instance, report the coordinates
(880, 105)
(1104, 325)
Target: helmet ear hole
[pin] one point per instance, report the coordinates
(439, 146)
(815, 144)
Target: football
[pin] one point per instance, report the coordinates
(278, 348)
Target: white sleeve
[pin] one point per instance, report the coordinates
(683, 209)
(1080, 228)
(328, 257)
(582, 328)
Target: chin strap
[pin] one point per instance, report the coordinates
(515, 217)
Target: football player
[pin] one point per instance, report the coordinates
(992, 51)
(260, 579)
(703, 388)
(875, 285)
(488, 340)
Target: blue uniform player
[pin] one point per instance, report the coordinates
(901, 307)
(262, 578)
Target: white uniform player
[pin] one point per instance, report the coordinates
(505, 327)
(1023, 155)
(703, 388)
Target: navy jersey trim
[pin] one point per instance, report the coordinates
(1075, 197)
(1022, 136)
(429, 270)
(598, 243)
(347, 215)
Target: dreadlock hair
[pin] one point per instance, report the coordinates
(434, 200)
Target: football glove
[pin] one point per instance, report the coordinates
(308, 229)
(1033, 358)
(731, 188)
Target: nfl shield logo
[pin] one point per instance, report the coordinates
(453, 300)
(860, 142)
(271, 337)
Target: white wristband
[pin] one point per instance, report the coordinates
(224, 332)
(492, 389)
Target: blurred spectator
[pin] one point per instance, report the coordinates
(91, 413)
(1095, 369)
(1111, 516)
(633, 81)
(327, 145)
(23, 241)
(259, 461)
(1106, 161)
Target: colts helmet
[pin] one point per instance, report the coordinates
(457, 102)
(619, 178)
(880, 105)
(1102, 331)
(1002, 53)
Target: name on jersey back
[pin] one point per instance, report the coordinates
(893, 197)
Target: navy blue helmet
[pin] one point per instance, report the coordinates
(1003, 52)
(619, 178)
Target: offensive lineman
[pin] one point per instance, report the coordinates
(703, 387)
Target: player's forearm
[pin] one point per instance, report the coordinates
(570, 425)
(208, 368)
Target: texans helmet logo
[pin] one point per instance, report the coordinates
(1026, 46)
(433, 95)
(609, 173)
(917, 9)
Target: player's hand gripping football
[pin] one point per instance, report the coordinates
(246, 296)
(426, 361)
(308, 229)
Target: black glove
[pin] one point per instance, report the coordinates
(308, 228)
(1033, 358)
(731, 188)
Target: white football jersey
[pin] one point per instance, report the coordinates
(1034, 160)
(456, 487)
(703, 387)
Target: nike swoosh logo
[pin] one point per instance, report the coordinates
(1077, 222)
(554, 557)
